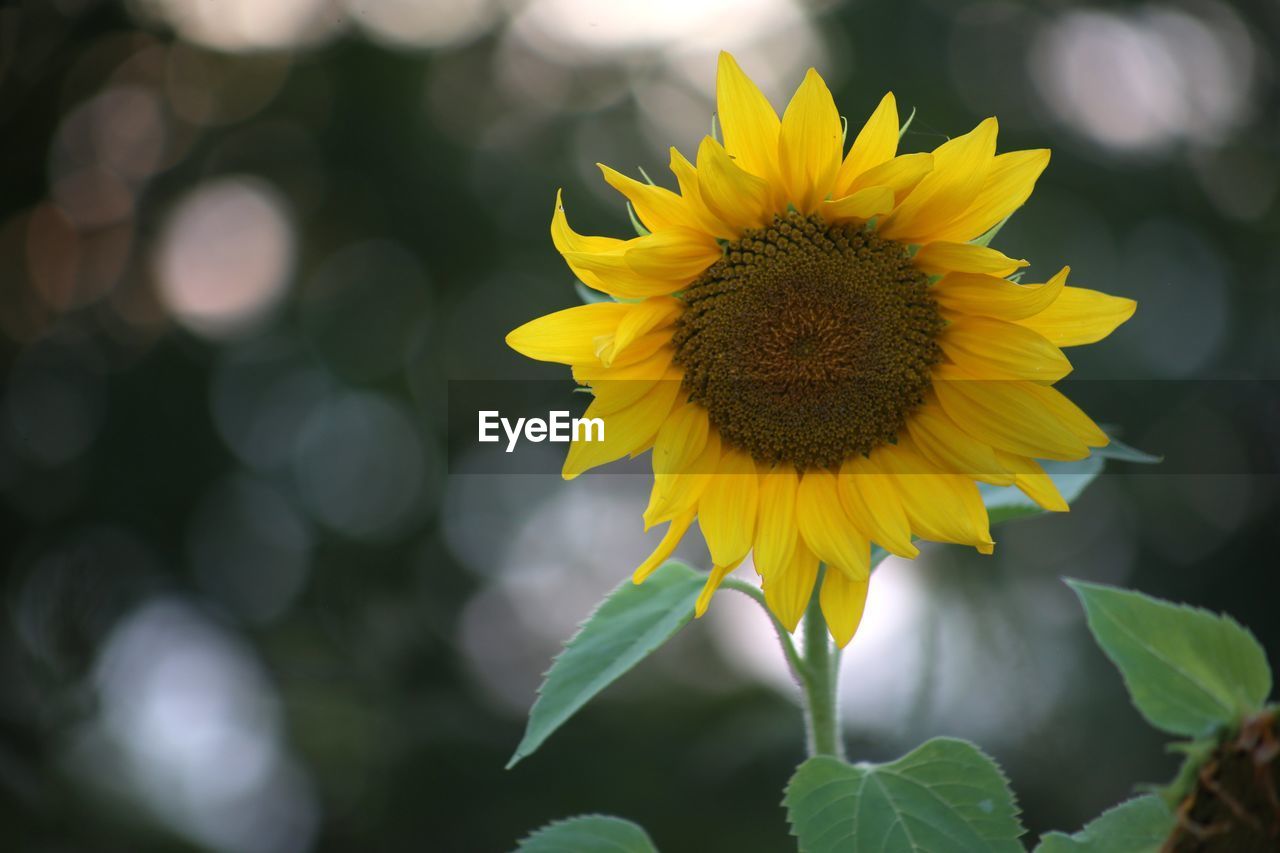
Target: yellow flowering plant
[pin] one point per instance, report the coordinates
(829, 363)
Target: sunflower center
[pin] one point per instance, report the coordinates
(809, 343)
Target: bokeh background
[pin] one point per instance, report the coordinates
(254, 598)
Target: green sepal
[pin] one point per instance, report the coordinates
(641, 231)
(906, 124)
(590, 296)
(985, 239)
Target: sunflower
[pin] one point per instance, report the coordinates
(820, 347)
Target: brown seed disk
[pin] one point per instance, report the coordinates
(809, 343)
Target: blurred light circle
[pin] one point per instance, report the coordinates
(93, 197)
(246, 25)
(122, 129)
(225, 256)
(210, 88)
(360, 466)
(249, 547)
(363, 308)
(590, 28)
(195, 730)
(69, 596)
(261, 394)
(129, 131)
(54, 403)
(412, 23)
(71, 268)
(1143, 80)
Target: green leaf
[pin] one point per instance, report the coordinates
(627, 626)
(1140, 825)
(1005, 503)
(1188, 671)
(945, 796)
(589, 834)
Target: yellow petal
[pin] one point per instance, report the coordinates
(677, 253)
(960, 169)
(1081, 316)
(901, 174)
(952, 449)
(875, 144)
(1006, 414)
(809, 145)
(871, 499)
(989, 296)
(687, 177)
(941, 507)
(628, 431)
(567, 240)
(714, 579)
(727, 510)
(787, 590)
(616, 388)
(679, 526)
(748, 122)
(1013, 177)
(679, 492)
(652, 265)
(569, 336)
(1034, 482)
(658, 207)
(680, 439)
(942, 258)
(863, 205)
(993, 349)
(843, 600)
(1070, 415)
(640, 349)
(654, 313)
(737, 198)
(776, 530)
(826, 528)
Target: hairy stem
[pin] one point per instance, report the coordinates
(821, 675)
(784, 638)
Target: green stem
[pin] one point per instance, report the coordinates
(784, 637)
(821, 670)
(817, 671)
